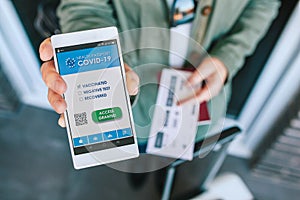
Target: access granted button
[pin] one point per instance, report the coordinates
(106, 114)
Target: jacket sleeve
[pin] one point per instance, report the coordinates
(75, 15)
(242, 39)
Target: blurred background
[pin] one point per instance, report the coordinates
(35, 161)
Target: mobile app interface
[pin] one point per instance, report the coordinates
(97, 109)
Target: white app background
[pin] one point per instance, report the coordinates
(78, 102)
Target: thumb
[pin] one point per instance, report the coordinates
(61, 121)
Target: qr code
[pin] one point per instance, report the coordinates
(80, 119)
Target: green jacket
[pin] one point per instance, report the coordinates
(229, 32)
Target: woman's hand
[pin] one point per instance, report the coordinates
(214, 73)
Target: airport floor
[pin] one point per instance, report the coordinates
(35, 163)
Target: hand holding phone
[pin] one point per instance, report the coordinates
(57, 86)
(98, 116)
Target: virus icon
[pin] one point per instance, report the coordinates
(70, 62)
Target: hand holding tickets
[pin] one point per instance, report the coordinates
(174, 127)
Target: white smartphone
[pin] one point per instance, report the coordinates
(98, 117)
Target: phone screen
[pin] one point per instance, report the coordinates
(97, 108)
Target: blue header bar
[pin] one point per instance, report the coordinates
(83, 60)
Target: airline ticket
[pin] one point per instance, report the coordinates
(174, 127)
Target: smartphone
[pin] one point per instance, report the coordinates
(98, 118)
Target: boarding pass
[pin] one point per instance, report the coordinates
(174, 128)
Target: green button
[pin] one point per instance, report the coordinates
(106, 114)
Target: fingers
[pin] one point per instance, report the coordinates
(127, 68)
(208, 67)
(61, 121)
(214, 72)
(56, 101)
(204, 70)
(211, 88)
(45, 50)
(220, 69)
(132, 80)
(201, 95)
(52, 79)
